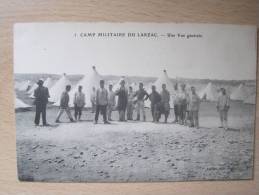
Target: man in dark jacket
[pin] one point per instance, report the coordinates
(155, 99)
(122, 94)
(64, 105)
(41, 95)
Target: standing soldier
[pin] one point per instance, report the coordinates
(165, 101)
(79, 103)
(122, 94)
(194, 106)
(176, 102)
(187, 117)
(141, 95)
(41, 95)
(93, 99)
(183, 104)
(111, 102)
(223, 107)
(155, 99)
(64, 105)
(101, 103)
(130, 105)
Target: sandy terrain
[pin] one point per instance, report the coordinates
(136, 151)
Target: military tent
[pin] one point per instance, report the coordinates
(240, 93)
(57, 89)
(209, 93)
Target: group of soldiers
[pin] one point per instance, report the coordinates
(186, 104)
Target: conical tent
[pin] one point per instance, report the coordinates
(251, 99)
(25, 85)
(56, 91)
(209, 93)
(20, 104)
(163, 79)
(48, 83)
(87, 82)
(33, 87)
(240, 93)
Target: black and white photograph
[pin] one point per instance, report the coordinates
(134, 102)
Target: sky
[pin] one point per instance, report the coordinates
(217, 52)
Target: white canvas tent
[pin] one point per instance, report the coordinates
(250, 99)
(33, 87)
(163, 79)
(19, 104)
(24, 85)
(87, 82)
(49, 82)
(240, 93)
(57, 89)
(209, 93)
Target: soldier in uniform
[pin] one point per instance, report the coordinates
(165, 101)
(122, 94)
(223, 106)
(111, 102)
(182, 104)
(141, 95)
(79, 103)
(64, 105)
(194, 107)
(41, 95)
(130, 105)
(155, 99)
(101, 103)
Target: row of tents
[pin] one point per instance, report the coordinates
(210, 92)
(241, 93)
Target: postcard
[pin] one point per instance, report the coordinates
(134, 102)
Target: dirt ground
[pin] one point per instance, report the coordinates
(136, 151)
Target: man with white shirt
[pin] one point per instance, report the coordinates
(79, 103)
(111, 102)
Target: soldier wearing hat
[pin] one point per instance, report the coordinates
(183, 97)
(41, 95)
(141, 95)
(111, 102)
(64, 105)
(101, 103)
(122, 94)
(79, 102)
(130, 105)
(165, 102)
(155, 99)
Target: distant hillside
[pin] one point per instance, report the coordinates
(146, 80)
